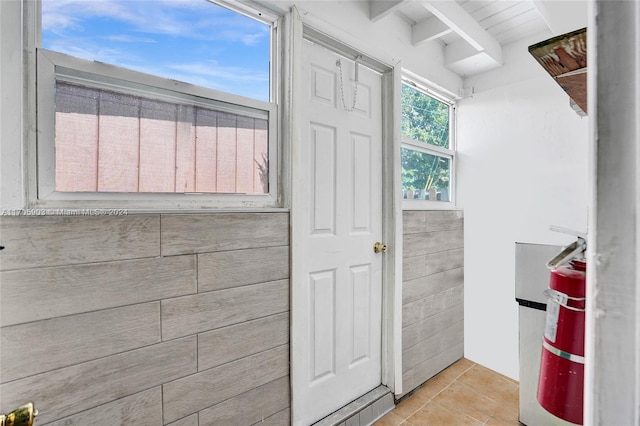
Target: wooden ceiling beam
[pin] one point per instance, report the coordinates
(428, 30)
(463, 24)
(378, 9)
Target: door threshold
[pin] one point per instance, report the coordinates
(363, 411)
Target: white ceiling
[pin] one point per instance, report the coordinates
(473, 32)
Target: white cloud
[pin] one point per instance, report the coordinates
(59, 15)
(90, 51)
(197, 19)
(124, 38)
(201, 26)
(56, 22)
(236, 74)
(253, 39)
(225, 79)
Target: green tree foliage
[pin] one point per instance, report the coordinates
(424, 171)
(424, 119)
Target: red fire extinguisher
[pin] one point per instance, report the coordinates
(561, 380)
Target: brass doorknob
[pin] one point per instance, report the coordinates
(21, 416)
(379, 248)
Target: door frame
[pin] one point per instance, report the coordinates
(391, 351)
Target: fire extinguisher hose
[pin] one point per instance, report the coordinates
(564, 299)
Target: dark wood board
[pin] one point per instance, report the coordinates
(565, 58)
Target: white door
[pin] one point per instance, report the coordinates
(337, 299)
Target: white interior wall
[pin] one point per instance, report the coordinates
(522, 158)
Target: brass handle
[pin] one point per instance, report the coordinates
(379, 248)
(21, 416)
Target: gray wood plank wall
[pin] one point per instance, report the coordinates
(432, 294)
(146, 319)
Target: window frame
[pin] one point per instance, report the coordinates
(50, 65)
(426, 148)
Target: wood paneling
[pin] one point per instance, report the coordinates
(70, 390)
(432, 293)
(140, 409)
(443, 220)
(414, 221)
(424, 308)
(241, 267)
(207, 311)
(416, 376)
(422, 287)
(427, 264)
(62, 240)
(183, 234)
(191, 420)
(210, 387)
(432, 242)
(67, 290)
(82, 302)
(41, 346)
(415, 267)
(422, 330)
(431, 221)
(250, 407)
(238, 341)
(437, 343)
(282, 418)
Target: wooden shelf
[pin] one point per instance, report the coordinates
(565, 58)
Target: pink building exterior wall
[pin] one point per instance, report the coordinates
(111, 142)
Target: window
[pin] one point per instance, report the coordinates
(155, 105)
(427, 152)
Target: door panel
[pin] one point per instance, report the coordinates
(361, 183)
(337, 292)
(322, 330)
(323, 178)
(361, 303)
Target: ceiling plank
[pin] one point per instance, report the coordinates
(463, 24)
(562, 16)
(378, 9)
(507, 15)
(495, 8)
(533, 26)
(429, 29)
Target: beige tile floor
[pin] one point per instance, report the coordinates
(464, 394)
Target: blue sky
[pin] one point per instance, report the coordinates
(187, 40)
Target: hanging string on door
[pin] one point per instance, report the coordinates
(355, 89)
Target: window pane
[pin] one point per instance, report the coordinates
(113, 142)
(193, 41)
(424, 118)
(425, 176)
